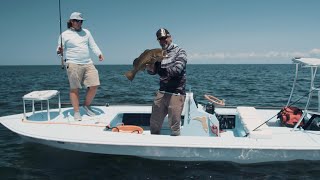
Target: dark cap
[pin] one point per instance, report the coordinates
(162, 33)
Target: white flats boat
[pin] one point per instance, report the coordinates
(239, 134)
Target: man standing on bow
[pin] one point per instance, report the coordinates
(170, 98)
(76, 42)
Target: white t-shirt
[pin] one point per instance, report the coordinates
(76, 46)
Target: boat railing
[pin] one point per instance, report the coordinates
(313, 64)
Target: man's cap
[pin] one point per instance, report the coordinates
(162, 32)
(76, 15)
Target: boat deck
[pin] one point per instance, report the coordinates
(90, 135)
(138, 115)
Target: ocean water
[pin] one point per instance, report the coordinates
(254, 85)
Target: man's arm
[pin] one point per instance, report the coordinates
(179, 64)
(59, 48)
(94, 47)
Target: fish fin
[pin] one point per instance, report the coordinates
(145, 52)
(130, 75)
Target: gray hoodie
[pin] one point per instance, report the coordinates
(172, 70)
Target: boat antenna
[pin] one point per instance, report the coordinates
(61, 54)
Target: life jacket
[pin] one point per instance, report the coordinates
(289, 116)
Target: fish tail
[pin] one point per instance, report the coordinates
(130, 75)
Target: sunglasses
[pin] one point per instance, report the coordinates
(76, 20)
(162, 38)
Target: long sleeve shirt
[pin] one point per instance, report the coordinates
(172, 70)
(76, 46)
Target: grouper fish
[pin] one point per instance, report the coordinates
(149, 56)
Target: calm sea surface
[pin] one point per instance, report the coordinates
(255, 85)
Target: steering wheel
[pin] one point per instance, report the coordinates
(214, 100)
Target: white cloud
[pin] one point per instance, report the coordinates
(253, 55)
(315, 51)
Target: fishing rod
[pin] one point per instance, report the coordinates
(289, 105)
(61, 52)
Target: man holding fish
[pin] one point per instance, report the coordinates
(171, 95)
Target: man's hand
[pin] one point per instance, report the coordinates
(60, 51)
(101, 58)
(150, 67)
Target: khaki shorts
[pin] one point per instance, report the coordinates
(85, 74)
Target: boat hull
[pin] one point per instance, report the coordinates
(238, 155)
(196, 143)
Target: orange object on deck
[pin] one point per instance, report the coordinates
(128, 129)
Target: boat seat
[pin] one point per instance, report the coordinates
(44, 95)
(250, 120)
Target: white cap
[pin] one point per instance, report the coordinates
(76, 15)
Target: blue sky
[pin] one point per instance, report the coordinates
(211, 31)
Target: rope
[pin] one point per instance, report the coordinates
(62, 123)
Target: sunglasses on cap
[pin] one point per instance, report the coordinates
(76, 20)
